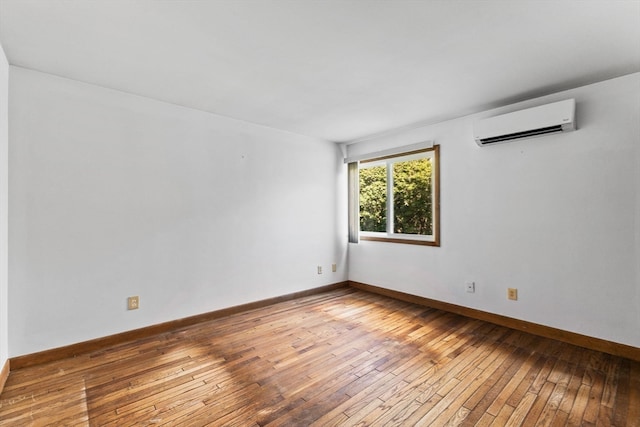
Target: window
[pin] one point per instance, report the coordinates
(397, 198)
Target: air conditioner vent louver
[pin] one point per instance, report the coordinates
(529, 123)
(520, 135)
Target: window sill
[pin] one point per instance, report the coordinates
(400, 240)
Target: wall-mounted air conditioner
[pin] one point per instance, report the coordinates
(529, 123)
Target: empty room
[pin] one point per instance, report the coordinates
(319, 213)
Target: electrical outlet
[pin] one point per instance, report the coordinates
(471, 287)
(512, 293)
(133, 303)
(334, 267)
(319, 269)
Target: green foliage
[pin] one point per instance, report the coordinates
(373, 199)
(412, 204)
(412, 198)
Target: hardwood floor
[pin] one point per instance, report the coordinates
(344, 357)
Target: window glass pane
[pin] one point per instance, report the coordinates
(412, 201)
(373, 198)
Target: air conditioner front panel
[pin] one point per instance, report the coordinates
(532, 122)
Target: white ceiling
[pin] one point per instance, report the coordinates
(334, 69)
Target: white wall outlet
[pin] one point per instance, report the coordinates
(319, 269)
(334, 267)
(471, 287)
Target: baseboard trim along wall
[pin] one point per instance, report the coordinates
(136, 334)
(72, 350)
(585, 341)
(4, 374)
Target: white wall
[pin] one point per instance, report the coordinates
(113, 195)
(4, 172)
(556, 217)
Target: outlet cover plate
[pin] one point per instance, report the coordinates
(471, 287)
(133, 303)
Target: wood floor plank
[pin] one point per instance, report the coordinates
(521, 411)
(484, 393)
(579, 405)
(343, 358)
(506, 391)
(551, 407)
(595, 396)
(560, 419)
(502, 417)
(633, 414)
(535, 411)
(527, 380)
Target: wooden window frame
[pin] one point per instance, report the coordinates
(434, 239)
